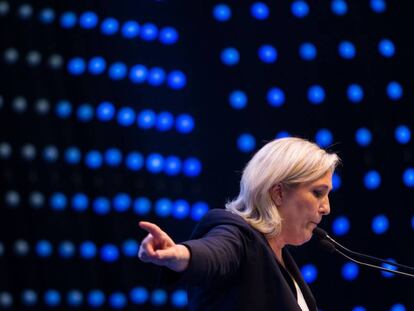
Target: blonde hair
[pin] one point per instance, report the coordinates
(288, 161)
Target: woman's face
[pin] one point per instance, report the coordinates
(302, 207)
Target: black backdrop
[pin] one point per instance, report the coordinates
(213, 141)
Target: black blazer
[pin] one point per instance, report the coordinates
(232, 267)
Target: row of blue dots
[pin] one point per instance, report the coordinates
(380, 224)
(155, 163)
(299, 8)
(316, 95)
(121, 202)
(89, 20)
(246, 142)
(97, 298)
(138, 74)
(106, 111)
(33, 58)
(268, 54)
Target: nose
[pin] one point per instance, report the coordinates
(325, 207)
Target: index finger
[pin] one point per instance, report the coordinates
(151, 228)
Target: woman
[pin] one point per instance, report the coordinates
(236, 259)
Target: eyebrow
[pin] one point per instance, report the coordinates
(323, 186)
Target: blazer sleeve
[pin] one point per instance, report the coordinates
(218, 254)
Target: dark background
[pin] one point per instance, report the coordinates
(214, 139)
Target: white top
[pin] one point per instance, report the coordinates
(301, 300)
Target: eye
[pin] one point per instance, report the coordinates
(317, 193)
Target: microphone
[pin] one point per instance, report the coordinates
(330, 245)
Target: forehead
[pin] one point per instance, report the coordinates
(324, 181)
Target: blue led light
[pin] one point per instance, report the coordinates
(149, 32)
(117, 71)
(109, 253)
(350, 271)
(181, 209)
(80, 202)
(156, 76)
(230, 56)
(386, 48)
(198, 210)
(138, 74)
(347, 50)
(316, 94)
(184, 123)
(372, 180)
(126, 116)
(394, 90)
(113, 157)
(238, 99)
(130, 248)
(12, 198)
(105, 111)
(324, 138)
(387, 274)
(72, 155)
(275, 97)
(121, 202)
(63, 109)
(408, 177)
(402, 134)
(85, 112)
(66, 249)
(339, 7)
(282, 134)
(117, 300)
(47, 16)
(172, 165)
(259, 10)
(101, 206)
(163, 207)
(168, 35)
(155, 163)
(159, 297)
(93, 159)
(146, 119)
(6, 299)
(130, 29)
(355, 93)
(142, 206)
(88, 20)
(74, 298)
(380, 224)
(164, 121)
(179, 298)
(96, 298)
(76, 66)
(359, 308)
(341, 226)
(52, 298)
(138, 295)
(246, 142)
(44, 248)
(363, 136)
(134, 161)
(68, 20)
(50, 153)
(96, 65)
(29, 297)
(192, 167)
(308, 51)
(267, 53)
(87, 250)
(398, 307)
(222, 12)
(176, 80)
(310, 273)
(378, 6)
(109, 26)
(58, 201)
(21, 248)
(300, 8)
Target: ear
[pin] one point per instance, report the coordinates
(276, 193)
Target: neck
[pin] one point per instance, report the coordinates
(277, 243)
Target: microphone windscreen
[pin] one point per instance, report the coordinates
(320, 233)
(327, 246)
